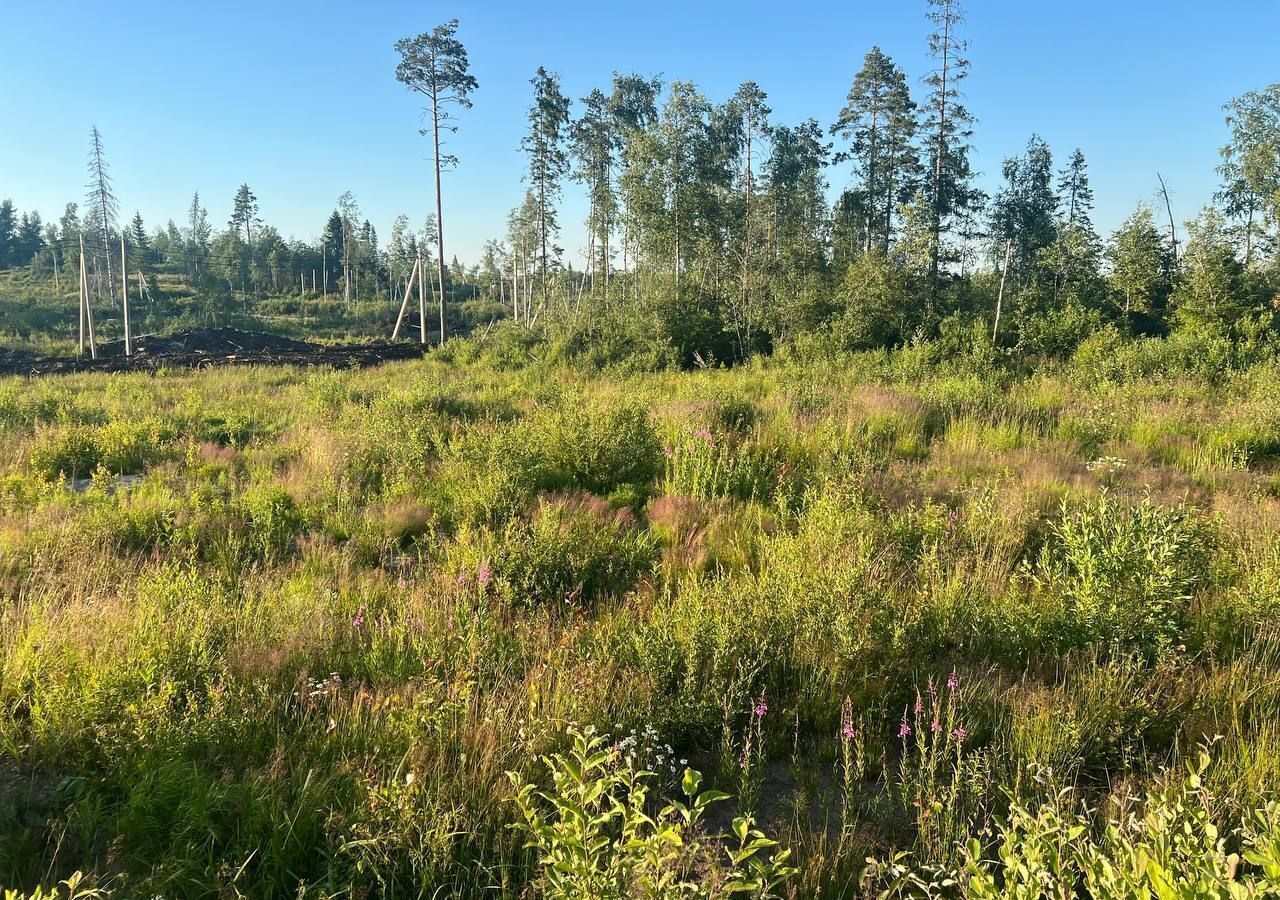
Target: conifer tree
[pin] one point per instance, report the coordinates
(879, 119)
(101, 206)
(435, 65)
(548, 162)
(948, 128)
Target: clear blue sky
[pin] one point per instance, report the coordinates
(300, 100)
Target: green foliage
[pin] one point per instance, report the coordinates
(597, 447)
(298, 650)
(569, 554)
(704, 466)
(1165, 845)
(595, 837)
(1122, 576)
(273, 519)
(120, 447)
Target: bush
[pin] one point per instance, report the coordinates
(705, 467)
(1122, 576)
(274, 519)
(1164, 845)
(570, 552)
(1057, 333)
(597, 447)
(70, 452)
(595, 835)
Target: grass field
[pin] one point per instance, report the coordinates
(937, 629)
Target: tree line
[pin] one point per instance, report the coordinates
(710, 227)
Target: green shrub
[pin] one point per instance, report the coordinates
(567, 552)
(595, 834)
(71, 452)
(597, 447)
(705, 467)
(273, 518)
(1121, 576)
(1164, 845)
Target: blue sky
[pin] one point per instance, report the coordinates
(300, 100)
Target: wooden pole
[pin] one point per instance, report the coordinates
(88, 317)
(124, 281)
(84, 293)
(422, 303)
(404, 305)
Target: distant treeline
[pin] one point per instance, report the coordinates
(710, 234)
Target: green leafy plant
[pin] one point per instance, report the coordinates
(595, 835)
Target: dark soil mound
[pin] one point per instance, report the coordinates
(209, 342)
(205, 347)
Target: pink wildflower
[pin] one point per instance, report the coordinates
(762, 707)
(484, 576)
(959, 734)
(904, 730)
(953, 681)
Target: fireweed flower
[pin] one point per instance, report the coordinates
(959, 733)
(953, 681)
(484, 576)
(847, 731)
(762, 707)
(358, 621)
(904, 730)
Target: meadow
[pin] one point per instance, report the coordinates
(876, 624)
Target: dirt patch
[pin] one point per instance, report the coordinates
(207, 347)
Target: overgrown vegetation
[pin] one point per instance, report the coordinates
(278, 632)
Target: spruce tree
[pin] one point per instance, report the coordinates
(102, 207)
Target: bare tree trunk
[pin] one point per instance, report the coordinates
(1248, 241)
(1173, 234)
(124, 284)
(435, 137)
(88, 317)
(1004, 273)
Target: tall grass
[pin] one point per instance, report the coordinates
(336, 634)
